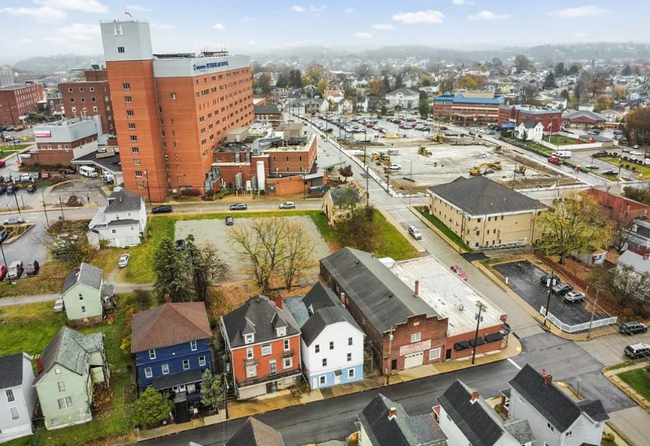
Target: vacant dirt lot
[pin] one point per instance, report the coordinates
(217, 233)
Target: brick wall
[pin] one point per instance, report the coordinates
(50, 157)
(239, 356)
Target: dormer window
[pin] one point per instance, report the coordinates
(249, 338)
(281, 331)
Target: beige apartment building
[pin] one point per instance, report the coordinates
(485, 213)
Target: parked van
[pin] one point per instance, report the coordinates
(108, 178)
(88, 171)
(562, 153)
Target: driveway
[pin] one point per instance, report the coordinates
(524, 278)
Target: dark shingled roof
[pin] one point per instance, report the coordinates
(322, 318)
(11, 370)
(478, 426)
(530, 123)
(170, 324)
(259, 316)
(256, 433)
(403, 430)
(594, 409)
(482, 196)
(88, 275)
(551, 402)
(128, 222)
(123, 200)
(382, 297)
(266, 110)
(342, 196)
(175, 379)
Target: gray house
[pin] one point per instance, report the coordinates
(555, 418)
(17, 396)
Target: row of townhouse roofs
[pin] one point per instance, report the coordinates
(532, 410)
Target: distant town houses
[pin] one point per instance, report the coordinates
(403, 98)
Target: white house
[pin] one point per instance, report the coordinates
(362, 103)
(325, 106)
(404, 98)
(586, 107)
(529, 130)
(554, 417)
(345, 106)
(17, 396)
(610, 115)
(331, 343)
(467, 419)
(122, 223)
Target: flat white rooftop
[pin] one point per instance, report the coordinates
(447, 294)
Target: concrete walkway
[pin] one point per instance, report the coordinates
(22, 300)
(284, 399)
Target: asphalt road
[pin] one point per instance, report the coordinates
(334, 418)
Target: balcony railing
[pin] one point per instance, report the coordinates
(266, 378)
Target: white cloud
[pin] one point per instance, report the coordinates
(247, 19)
(79, 34)
(219, 26)
(581, 34)
(252, 42)
(25, 41)
(383, 26)
(40, 13)
(136, 8)
(462, 2)
(320, 8)
(76, 5)
(364, 35)
(488, 15)
(162, 26)
(428, 16)
(349, 10)
(298, 8)
(580, 11)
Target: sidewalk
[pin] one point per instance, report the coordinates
(612, 375)
(285, 399)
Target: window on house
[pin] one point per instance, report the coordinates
(193, 345)
(57, 371)
(349, 357)
(322, 380)
(249, 353)
(201, 361)
(569, 434)
(186, 364)
(550, 426)
(165, 369)
(136, 161)
(148, 373)
(83, 310)
(251, 371)
(281, 331)
(120, 49)
(134, 138)
(128, 99)
(173, 96)
(266, 349)
(350, 341)
(130, 113)
(331, 345)
(416, 337)
(14, 413)
(152, 353)
(324, 362)
(317, 348)
(61, 385)
(249, 338)
(138, 174)
(65, 403)
(135, 150)
(287, 345)
(126, 86)
(273, 368)
(131, 125)
(10, 396)
(434, 353)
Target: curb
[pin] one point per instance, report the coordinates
(612, 376)
(437, 231)
(18, 237)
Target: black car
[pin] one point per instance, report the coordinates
(3, 189)
(32, 268)
(630, 328)
(238, 207)
(11, 189)
(164, 209)
(229, 221)
(180, 245)
(65, 171)
(562, 289)
(545, 278)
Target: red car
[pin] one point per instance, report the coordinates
(3, 272)
(2, 163)
(459, 272)
(554, 160)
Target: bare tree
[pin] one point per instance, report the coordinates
(528, 93)
(299, 250)
(205, 266)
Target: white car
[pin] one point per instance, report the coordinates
(124, 260)
(288, 205)
(394, 166)
(636, 153)
(58, 306)
(574, 296)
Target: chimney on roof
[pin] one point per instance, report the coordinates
(417, 288)
(278, 302)
(77, 269)
(474, 397)
(548, 379)
(167, 299)
(392, 413)
(39, 364)
(343, 298)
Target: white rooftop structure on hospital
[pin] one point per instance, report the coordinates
(449, 295)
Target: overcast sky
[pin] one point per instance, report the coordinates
(47, 27)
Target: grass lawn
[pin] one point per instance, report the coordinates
(645, 170)
(563, 140)
(392, 243)
(5, 149)
(48, 281)
(31, 327)
(435, 221)
(639, 380)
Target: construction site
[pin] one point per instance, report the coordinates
(412, 166)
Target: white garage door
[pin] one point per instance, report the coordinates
(413, 360)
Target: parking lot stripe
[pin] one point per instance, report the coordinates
(514, 363)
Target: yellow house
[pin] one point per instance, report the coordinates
(484, 213)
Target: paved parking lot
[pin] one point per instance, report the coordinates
(217, 233)
(524, 278)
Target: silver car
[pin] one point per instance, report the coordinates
(14, 221)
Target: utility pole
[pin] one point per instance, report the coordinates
(387, 180)
(4, 259)
(410, 183)
(366, 165)
(45, 210)
(593, 313)
(61, 207)
(481, 308)
(16, 198)
(549, 284)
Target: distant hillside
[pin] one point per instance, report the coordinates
(58, 63)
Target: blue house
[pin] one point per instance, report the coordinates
(172, 348)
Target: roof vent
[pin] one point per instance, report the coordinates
(390, 295)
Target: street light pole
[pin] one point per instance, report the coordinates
(45, 210)
(4, 259)
(146, 177)
(390, 348)
(481, 307)
(549, 284)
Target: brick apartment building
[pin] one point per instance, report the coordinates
(56, 141)
(89, 97)
(171, 111)
(513, 115)
(468, 108)
(16, 101)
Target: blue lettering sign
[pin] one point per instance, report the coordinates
(206, 66)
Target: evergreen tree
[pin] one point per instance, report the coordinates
(211, 391)
(549, 82)
(169, 273)
(151, 408)
(627, 71)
